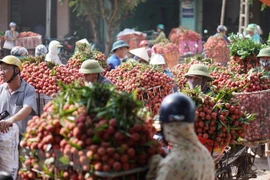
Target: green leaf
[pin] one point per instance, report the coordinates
(75, 145)
(47, 171)
(62, 121)
(64, 160)
(22, 159)
(149, 144)
(101, 128)
(96, 139)
(263, 7)
(219, 126)
(69, 111)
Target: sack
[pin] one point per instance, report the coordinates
(9, 154)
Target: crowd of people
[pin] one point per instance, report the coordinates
(188, 158)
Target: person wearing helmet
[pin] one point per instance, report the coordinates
(19, 52)
(264, 59)
(198, 75)
(15, 88)
(251, 34)
(258, 29)
(161, 35)
(41, 50)
(140, 55)
(119, 50)
(91, 70)
(19, 99)
(158, 60)
(188, 158)
(10, 38)
(54, 50)
(221, 31)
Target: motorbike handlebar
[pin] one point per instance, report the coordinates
(4, 114)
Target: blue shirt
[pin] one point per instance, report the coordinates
(256, 38)
(167, 72)
(113, 61)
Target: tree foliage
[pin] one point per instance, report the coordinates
(112, 12)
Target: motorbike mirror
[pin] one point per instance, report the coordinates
(205, 31)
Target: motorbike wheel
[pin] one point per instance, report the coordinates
(237, 164)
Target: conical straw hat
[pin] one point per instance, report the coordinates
(141, 53)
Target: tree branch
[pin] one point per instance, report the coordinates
(102, 11)
(115, 10)
(122, 18)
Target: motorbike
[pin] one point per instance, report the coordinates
(4, 114)
(69, 43)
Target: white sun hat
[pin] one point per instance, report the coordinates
(141, 53)
(157, 59)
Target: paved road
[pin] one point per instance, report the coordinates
(263, 172)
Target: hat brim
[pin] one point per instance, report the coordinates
(119, 47)
(263, 55)
(194, 74)
(249, 29)
(92, 71)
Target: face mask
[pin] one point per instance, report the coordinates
(265, 63)
(89, 84)
(58, 50)
(193, 83)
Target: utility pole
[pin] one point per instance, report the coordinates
(48, 17)
(222, 12)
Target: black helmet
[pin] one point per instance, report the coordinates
(177, 107)
(5, 176)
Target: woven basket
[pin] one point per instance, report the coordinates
(172, 59)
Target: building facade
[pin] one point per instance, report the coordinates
(29, 14)
(198, 15)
